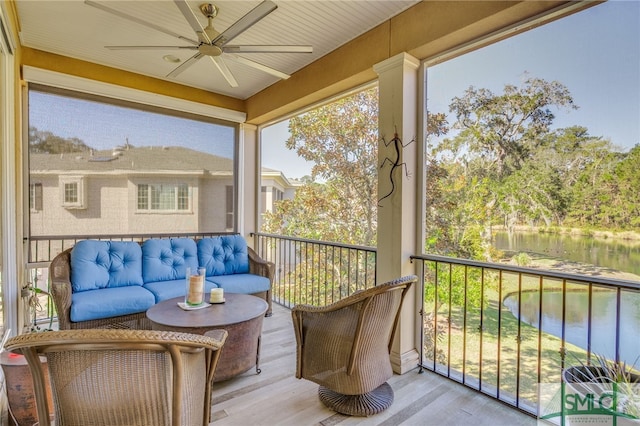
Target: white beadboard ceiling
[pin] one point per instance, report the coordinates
(74, 29)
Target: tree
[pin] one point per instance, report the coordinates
(605, 194)
(46, 142)
(339, 201)
(312, 214)
(493, 171)
(505, 129)
(627, 175)
(341, 139)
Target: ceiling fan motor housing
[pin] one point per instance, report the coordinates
(211, 42)
(209, 10)
(209, 49)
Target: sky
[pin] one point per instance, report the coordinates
(594, 53)
(140, 128)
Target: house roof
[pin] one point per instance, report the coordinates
(132, 159)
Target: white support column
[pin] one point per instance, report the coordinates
(11, 243)
(248, 180)
(397, 224)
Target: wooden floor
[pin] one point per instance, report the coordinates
(276, 397)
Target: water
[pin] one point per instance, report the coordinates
(603, 319)
(619, 255)
(606, 253)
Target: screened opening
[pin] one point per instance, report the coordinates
(102, 166)
(533, 146)
(531, 176)
(320, 174)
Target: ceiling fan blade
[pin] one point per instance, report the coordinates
(192, 19)
(139, 21)
(226, 72)
(151, 47)
(257, 65)
(186, 64)
(254, 15)
(267, 49)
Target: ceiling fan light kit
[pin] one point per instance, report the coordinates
(171, 58)
(211, 43)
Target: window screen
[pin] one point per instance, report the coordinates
(100, 166)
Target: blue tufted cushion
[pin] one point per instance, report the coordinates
(163, 290)
(109, 302)
(223, 255)
(242, 283)
(168, 259)
(99, 264)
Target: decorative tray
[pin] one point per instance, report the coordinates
(186, 307)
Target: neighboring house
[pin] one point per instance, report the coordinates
(129, 190)
(275, 187)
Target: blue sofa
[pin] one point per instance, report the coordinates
(98, 284)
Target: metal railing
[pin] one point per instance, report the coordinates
(503, 329)
(496, 328)
(316, 272)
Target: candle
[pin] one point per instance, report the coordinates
(195, 287)
(217, 295)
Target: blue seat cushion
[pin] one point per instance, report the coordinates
(163, 290)
(223, 255)
(109, 302)
(100, 264)
(167, 259)
(242, 283)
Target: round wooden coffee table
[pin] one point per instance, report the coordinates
(241, 315)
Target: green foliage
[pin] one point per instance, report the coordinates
(455, 285)
(522, 259)
(323, 274)
(507, 167)
(341, 138)
(47, 142)
(503, 130)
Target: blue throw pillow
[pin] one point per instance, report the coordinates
(168, 258)
(100, 264)
(223, 255)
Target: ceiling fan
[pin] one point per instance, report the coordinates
(210, 43)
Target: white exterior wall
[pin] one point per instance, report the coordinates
(111, 207)
(212, 210)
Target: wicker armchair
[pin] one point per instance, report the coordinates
(344, 347)
(123, 377)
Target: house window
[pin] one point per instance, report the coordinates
(263, 199)
(163, 197)
(73, 192)
(35, 197)
(229, 207)
(70, 193)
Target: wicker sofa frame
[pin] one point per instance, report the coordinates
(60, 281)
